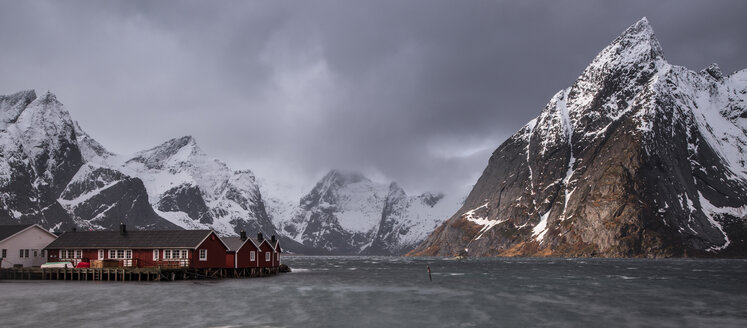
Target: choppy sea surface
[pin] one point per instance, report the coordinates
(396, 292)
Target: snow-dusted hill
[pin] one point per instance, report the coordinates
(346, 213)
(637, 158)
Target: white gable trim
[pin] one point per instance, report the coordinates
(27, 228)
(208, 235)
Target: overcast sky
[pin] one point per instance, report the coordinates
(420, 92)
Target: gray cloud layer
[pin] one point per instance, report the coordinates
(420, 92)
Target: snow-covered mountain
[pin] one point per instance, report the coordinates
(637, 158)
(346, 213)
(187, 187)
(41, 167)
(55, 174)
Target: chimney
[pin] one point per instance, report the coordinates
(260, 237)
(122, 229)
(243, 235)
(272, 239)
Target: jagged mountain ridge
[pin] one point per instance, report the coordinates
(637, 158)
(55, 174)
(188, 188)
(346, 213)
(41, 157)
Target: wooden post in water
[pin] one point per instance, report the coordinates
(429, 272)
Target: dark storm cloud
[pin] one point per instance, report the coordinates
(420, 92)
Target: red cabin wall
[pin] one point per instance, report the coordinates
(243, 259)
(216, 253)
(263, 248)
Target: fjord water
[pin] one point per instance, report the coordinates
(396, 292)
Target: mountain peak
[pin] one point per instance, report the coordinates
(12, 105)
(636, 45)
(342, 177)
(179, 149)
(714, 71)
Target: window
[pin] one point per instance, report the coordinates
(155, 255)
(203, 255)
(101, 254)
(166, 254)
(41, 253)
(26, 252)
(36, 253)
(78, 253)
(5, 253)
(120, 254)
(184, 254)
(267, 256)
(20, 253)
(252, 256)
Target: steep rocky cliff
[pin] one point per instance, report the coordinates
(637, 158)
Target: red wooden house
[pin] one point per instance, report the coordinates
(172, 248)
(246, 252)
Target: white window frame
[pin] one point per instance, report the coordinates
(101, 254)
(267, 256)
(4, 254)
(203, 254)
(155, 255)
(78, 253)
(120, 254)
(252, 256)
(184, 254)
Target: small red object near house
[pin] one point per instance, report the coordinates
(83, 265)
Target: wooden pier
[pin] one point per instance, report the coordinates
(132, 274)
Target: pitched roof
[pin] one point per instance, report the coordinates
(130, 239)
(11, 229)
(233, 243)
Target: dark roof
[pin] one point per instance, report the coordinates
(233, 243)
(130, 239)
(11, 229)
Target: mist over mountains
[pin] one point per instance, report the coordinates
(55, 174)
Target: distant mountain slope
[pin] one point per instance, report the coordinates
(637, 158)
(346, 213)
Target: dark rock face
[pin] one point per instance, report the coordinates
(188, 199)
(636, 158)
(387, 239)
(102, 198)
